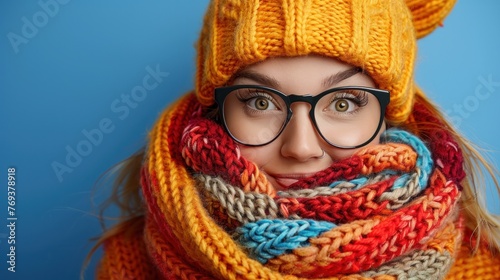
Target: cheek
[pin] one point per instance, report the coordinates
(338, 154)
(258, 155)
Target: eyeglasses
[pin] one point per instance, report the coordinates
(345, 117)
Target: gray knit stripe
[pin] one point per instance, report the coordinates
(422, 264)
(400, 196)
(343, 187)
(241, 206)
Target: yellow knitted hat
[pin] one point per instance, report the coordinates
(376, 35)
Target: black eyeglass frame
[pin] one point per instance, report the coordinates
(383, 97)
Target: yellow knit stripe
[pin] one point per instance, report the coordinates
(360, 32)
(296, 21)
(484, 265)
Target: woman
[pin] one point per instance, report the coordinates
(305, 151)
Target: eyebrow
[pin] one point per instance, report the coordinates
(272, 82)
(340, 76)
(257, 77)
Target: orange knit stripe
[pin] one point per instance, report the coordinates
(171, 262)
(322, 247)
(447, 238)
(387, 156)
(125, 257)
(255, 181)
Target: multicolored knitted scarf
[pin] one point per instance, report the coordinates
(388, 212)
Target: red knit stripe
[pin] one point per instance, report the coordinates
(215, 153)
(445, 150)
(340, 208)
(346, 169)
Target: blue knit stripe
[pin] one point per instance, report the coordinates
(266, 239)
(401, 181)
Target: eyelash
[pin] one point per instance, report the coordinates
(252, 93)
(361, 99)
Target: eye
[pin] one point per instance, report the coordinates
(341, 105)
(261, 103)
(347, 101)
(258, 100)
(344, 105)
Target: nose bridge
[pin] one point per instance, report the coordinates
(301, 139)
(302, 98)
(309, 100)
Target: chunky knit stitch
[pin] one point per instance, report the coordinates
(388, 212)
(274, 240)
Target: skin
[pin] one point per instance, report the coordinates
(298, 151)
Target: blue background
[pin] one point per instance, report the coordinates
(75, 65)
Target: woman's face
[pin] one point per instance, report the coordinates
(298, 151)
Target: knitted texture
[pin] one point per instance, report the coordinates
(379, 36)
(482, 265)
(306, 248)
(388, 212)
(126, 255)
